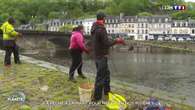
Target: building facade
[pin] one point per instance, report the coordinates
(56, 24)
(112, 24)
(87, 24)
(160, 27)
(151, 27)
(180, 30)
(192, 27)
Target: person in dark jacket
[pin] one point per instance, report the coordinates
(101, 45)
(76, 48)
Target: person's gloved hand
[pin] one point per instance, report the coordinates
(86, 50)
(120, 41)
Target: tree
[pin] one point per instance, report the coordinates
(181, 15)
(145, 14)
(66, 28)
(53, 15)
(4, 17)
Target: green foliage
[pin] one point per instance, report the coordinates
(184, 15)
(145, 14)
(25, 107)
(23, 10)
(66, 28)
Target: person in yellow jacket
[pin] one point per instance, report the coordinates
(9, 41)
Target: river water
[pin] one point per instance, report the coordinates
(174, 73)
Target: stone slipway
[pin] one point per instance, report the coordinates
(117, 84)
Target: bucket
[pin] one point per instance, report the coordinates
(85, 92)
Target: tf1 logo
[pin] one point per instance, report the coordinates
(174, 7)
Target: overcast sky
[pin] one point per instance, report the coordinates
(190, 0)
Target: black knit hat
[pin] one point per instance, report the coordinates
(101, 16)
(11, 20)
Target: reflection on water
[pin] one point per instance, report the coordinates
(169, 72)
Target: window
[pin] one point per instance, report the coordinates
(160, 20)
(153, 20)
(166, 20)
(127, 20)
(159, 25)
(110, 25)
(146, 25)
(113, 21)
(183, 24)
(178, 24)
(193, 31)
(164, 26)
(146, 31)
(181, 31)
(175, 31)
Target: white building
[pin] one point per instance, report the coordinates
(159, 27)
(142, 28)
(112, 24)
(192, 27)
(128, 25)
(180, 30)
(87, 23)
(56, 24)
(139, 27)
(136, 27)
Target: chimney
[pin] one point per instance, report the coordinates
(121, 15)
(189, 18)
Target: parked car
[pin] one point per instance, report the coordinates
(167, 38)
(150, 38)
(160, 39)
(173, 39)
(189, 39)
(180, 39)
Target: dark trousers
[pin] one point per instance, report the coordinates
(102, 83)
(76, 55)
(8, 52)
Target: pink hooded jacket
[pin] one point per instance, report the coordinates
(77, 41)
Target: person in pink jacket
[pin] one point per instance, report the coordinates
(77, 47)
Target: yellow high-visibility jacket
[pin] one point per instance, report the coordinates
(9, 32)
